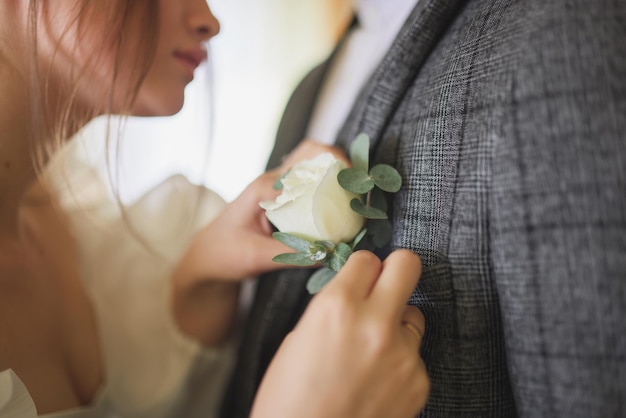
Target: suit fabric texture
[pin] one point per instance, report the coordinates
(507, 121)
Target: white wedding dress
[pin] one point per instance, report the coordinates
(151, 369)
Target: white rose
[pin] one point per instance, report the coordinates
(313, 205)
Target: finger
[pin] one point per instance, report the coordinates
(262, 188)
(399, 277)
(413, 324)
(308, 149)
(357, 276)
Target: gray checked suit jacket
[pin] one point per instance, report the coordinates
(507, 120)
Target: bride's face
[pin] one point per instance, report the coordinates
(103, 47)
(185, 25)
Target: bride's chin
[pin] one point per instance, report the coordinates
(158, 109)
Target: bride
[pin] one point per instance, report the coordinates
(129, 313)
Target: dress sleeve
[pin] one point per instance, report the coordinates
(127, 259)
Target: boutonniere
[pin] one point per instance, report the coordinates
(327, 210)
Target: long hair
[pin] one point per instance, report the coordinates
(57, 115)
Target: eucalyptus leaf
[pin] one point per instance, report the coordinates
(340, 256)
(365, 211)
(386, 177)
(381, 232)
(360, 151)
(319, 279)
(292, 241)
(294, 259)
(359, 237)
(355, 180)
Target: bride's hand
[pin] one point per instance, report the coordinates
(238, 244)
(355, 352)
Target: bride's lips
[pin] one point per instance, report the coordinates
(191, 58)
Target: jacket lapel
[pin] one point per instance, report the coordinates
(282, 296)
(378, 101)
(295, 119)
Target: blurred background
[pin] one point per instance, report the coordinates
(224, 134)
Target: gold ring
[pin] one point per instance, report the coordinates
(413, 328)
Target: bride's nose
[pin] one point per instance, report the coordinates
(202, 21)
